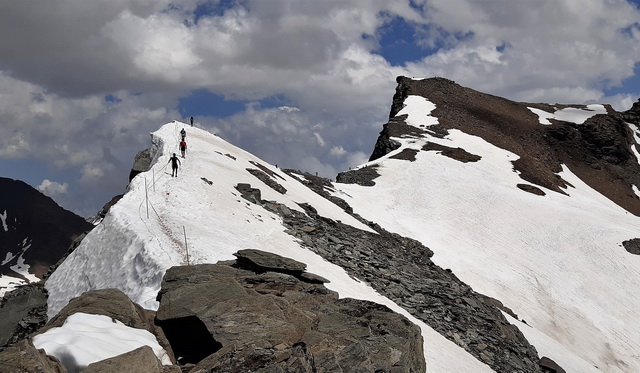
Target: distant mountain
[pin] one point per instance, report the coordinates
(507, 232)
(35, 233)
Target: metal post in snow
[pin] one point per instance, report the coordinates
(185, 243)
(154, 180)
(146, 196)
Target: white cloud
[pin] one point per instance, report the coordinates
(52, 188)
(337, 151)
(312, 54)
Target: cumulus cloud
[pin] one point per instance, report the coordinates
(534, 50)
(52, 188)
(83, 83)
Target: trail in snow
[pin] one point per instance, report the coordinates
(131, 252)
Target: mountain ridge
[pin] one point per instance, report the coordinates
(493, 247)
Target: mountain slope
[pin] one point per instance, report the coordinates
(201, 216)
(518, 209)
(34, 233)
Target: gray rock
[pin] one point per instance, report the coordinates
(139, 360)
(272, 321)
(141, 163)
(23, 357)
(22, 312)
(263, 261)
(115, 304)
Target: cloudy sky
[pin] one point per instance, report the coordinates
(302, 84)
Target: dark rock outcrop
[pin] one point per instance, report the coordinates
(363, 176)
(400, 269)
(632, 246)
(22, 312)
(263, 316)
(141, 163)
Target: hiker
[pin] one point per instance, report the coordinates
(174, 165)
(183, 147)
(183, 133)
(191, 121)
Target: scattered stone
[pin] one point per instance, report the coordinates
(531, 189)
(252, 195)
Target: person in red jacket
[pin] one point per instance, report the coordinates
(183, 147)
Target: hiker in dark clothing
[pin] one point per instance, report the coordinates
(174, 165)
(183, 147)
(191, 121)
(183, 133)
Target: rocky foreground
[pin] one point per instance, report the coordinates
(260, 313)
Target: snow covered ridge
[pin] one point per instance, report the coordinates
(144, 233)
(557, 258)
(200, 217)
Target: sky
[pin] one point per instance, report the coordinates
(302, 84)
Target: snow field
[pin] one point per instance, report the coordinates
(556, 260)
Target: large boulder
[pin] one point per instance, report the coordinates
(23, 357)
(115, 304)
(142, 359)
(260, 314)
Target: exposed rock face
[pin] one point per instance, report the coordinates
(363, 176)
(22, 312)
(400, 268)
(261, 314)
(141, 163)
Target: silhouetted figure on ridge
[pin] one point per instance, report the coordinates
(174, 165)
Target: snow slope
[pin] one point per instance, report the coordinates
(555, 260)
(164, 221)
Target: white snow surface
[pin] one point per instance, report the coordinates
(131, 251)
(556, 260)
(574, 115)
(86, 338)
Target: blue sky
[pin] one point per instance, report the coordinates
(301, 84)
